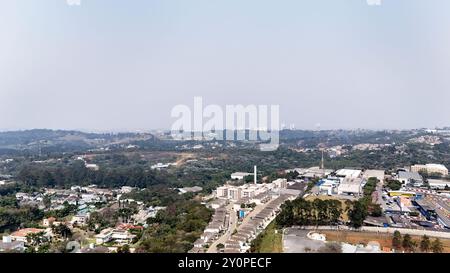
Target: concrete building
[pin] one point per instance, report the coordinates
(234, 193)
(80, 219)
(8, 245)
(379, 174)
(222, 192)
(190, 189)
(21, 235)
(104, 236)
(313, 172)
(122, 236)
(348, 173)
(351, 186)
(47, 222)
(410, 178)
(430, 168)
(280, 183)
(249, 191)
(329, 186)
(239, 175)
(438, 184)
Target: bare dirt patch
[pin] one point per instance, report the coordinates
(385, 240)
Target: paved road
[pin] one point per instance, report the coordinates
(296, 241)
(379, 191)
(232, 223)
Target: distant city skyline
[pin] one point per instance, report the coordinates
(123, 65)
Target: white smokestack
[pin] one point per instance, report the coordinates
(255, 176)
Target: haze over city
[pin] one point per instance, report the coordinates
(175, 129)
(123, 65)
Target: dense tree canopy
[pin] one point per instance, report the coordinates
(303, 212)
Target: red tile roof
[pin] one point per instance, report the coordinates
(24, 232)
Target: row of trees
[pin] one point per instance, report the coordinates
(394, 185)
(407, 244)
(303, 212)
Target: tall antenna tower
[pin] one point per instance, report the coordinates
(255, 176)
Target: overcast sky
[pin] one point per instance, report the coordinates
(123, 64)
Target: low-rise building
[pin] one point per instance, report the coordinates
(351, 186)
(280, 183)
(410, 178)
(190, 189)
(104, 236)
(349, 173)
(199, 243)
(93, 167)
(126, 189)
(121, 236)
(8, 245)
(329, 186)
(313, 172)
(438, 184)
(21, 235)
(47, 222)
(378, 174)
(239, 175)
(80, 219)
(430, 168)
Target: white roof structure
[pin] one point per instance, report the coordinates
(350, 186)
(434, 166)
(379, 174)
(349, 173)
(438, 183)
(240, 175)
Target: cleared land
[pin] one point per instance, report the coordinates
(385, 240)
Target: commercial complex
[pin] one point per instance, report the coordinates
(248, 191)
(430, 169)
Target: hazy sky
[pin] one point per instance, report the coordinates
(123, 64)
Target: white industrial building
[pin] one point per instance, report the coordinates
(312, 172)
(239, 175)
(348, 173)
(438, 184)
(410, 178)
(379, 174)
(248, 191)
(430, 168)
(329, 185)
(351, 186)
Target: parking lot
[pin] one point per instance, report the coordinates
(295, 241)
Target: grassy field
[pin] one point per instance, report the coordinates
(270, 241)
(385, 240)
